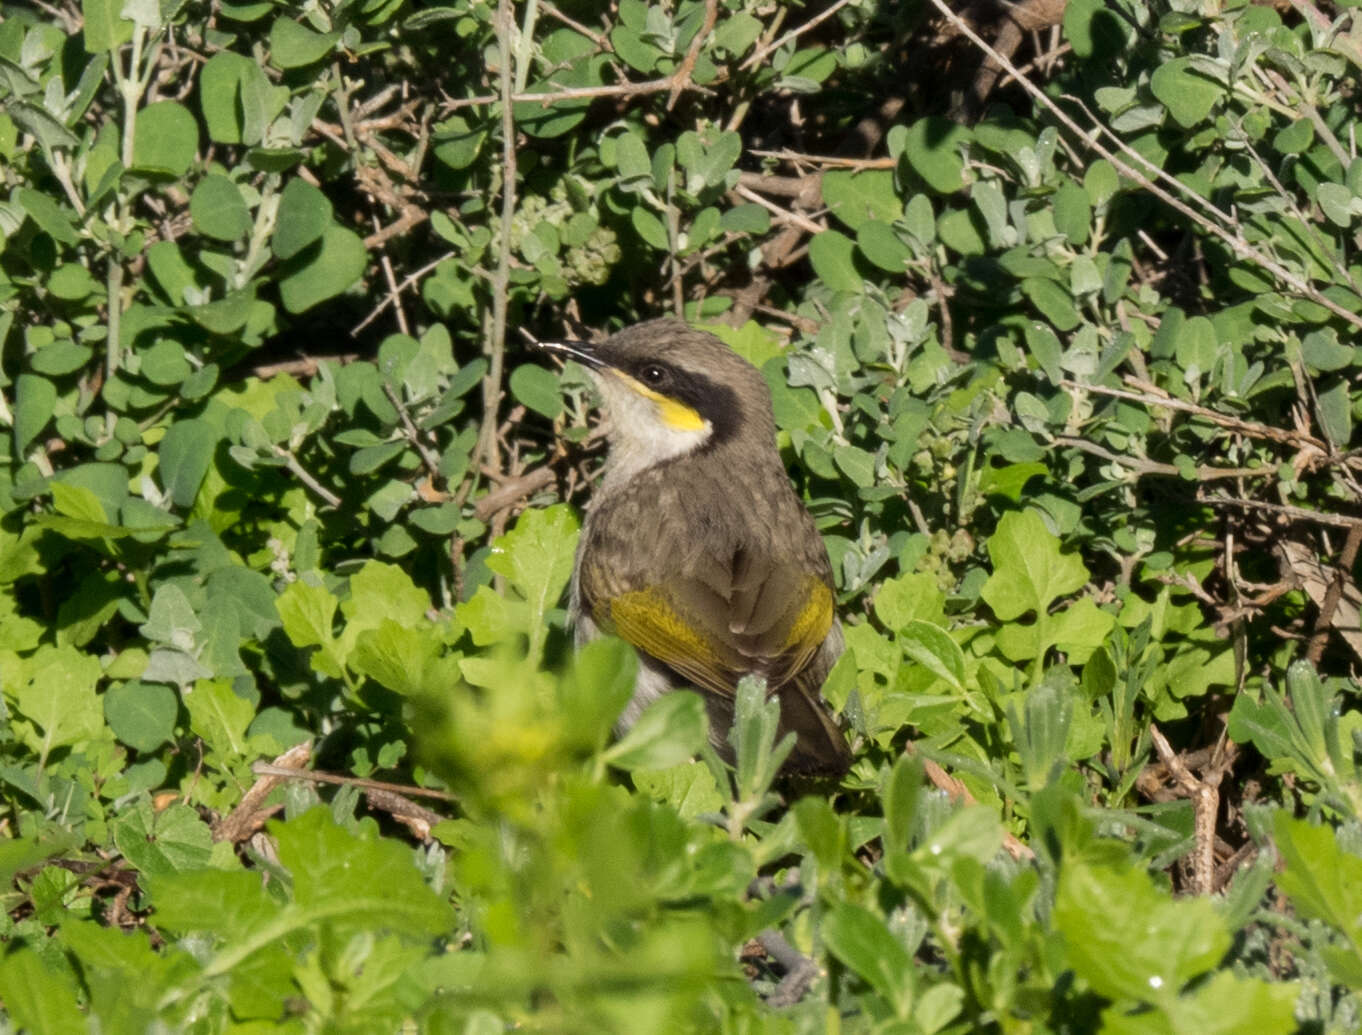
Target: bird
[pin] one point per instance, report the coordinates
(695, 547)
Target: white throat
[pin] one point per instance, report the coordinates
(641, 436)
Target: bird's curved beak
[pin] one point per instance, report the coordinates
(582, 351)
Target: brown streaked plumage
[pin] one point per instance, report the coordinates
(696, 549)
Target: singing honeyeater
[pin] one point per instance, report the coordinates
(695, 548)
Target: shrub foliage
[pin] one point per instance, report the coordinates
(1060, 347)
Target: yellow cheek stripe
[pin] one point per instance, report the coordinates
(676, 415)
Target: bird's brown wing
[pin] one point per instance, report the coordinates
(770, 626)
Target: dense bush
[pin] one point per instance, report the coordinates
(1062, 362)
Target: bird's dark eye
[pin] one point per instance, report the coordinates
(653, 375)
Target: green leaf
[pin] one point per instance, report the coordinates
(335, 264)
(860, 939)
(932, 647)
(293, 45)
(670, 731)
(167, 139)
(650, 228)
(1189, 97)
(219, 715)
(72, 281)
(1296, 138)
(141, 715)
(1323, 883)
(34, 399)
(932, 147)
(185, 455)
(170, 840)
(304, 215)
(238, 102)
(1029, 571)
(882, 246)
(39, 997)
(536, 556)
(307, 613)
(218, 209)
(1128, 939)
(857, 198)
(1073, 213)
(1053, 302)
(104, 28)
(52, 218)
(537, 388)
(58, 697)
(369, 883)
(1335, 412)
(832, 255)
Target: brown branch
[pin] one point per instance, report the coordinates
(1152, 395)
(1324, 621)
(1291, 513)
(1142, 466)
(1205, 804)
(250, 813)
(316, 776)
(959, 793)
(759, 56)
(681, 77)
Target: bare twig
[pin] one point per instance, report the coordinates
(783, 215)
(759, 56)
(595, 37)
(1324, 621)
(315, 776)
(1317, 517)
(1151, 395)
(1205, 803)
(681, 78)
(799, 969)
(1141, 465)
(304, 476)
(486, 450)
(249, 815)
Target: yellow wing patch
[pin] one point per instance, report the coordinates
(810, 626)
(647, 620)
(650, 621)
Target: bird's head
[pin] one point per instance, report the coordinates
(670, 391)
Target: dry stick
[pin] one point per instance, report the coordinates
(407, 282)
(1205, 804)
(1325, 619)
(316, 776)
(391, 278)
(246, 818)
(576, 26)
(1156, 398)
(301, 473)
(799, 969)
(1237, 244)
(1291, 513)
(960, 794)
(793, 34)
(681, 78)
(486, 451)
(784, 216)
(833, 161)
(428, 457)
(568, 93)
(1142, 466)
